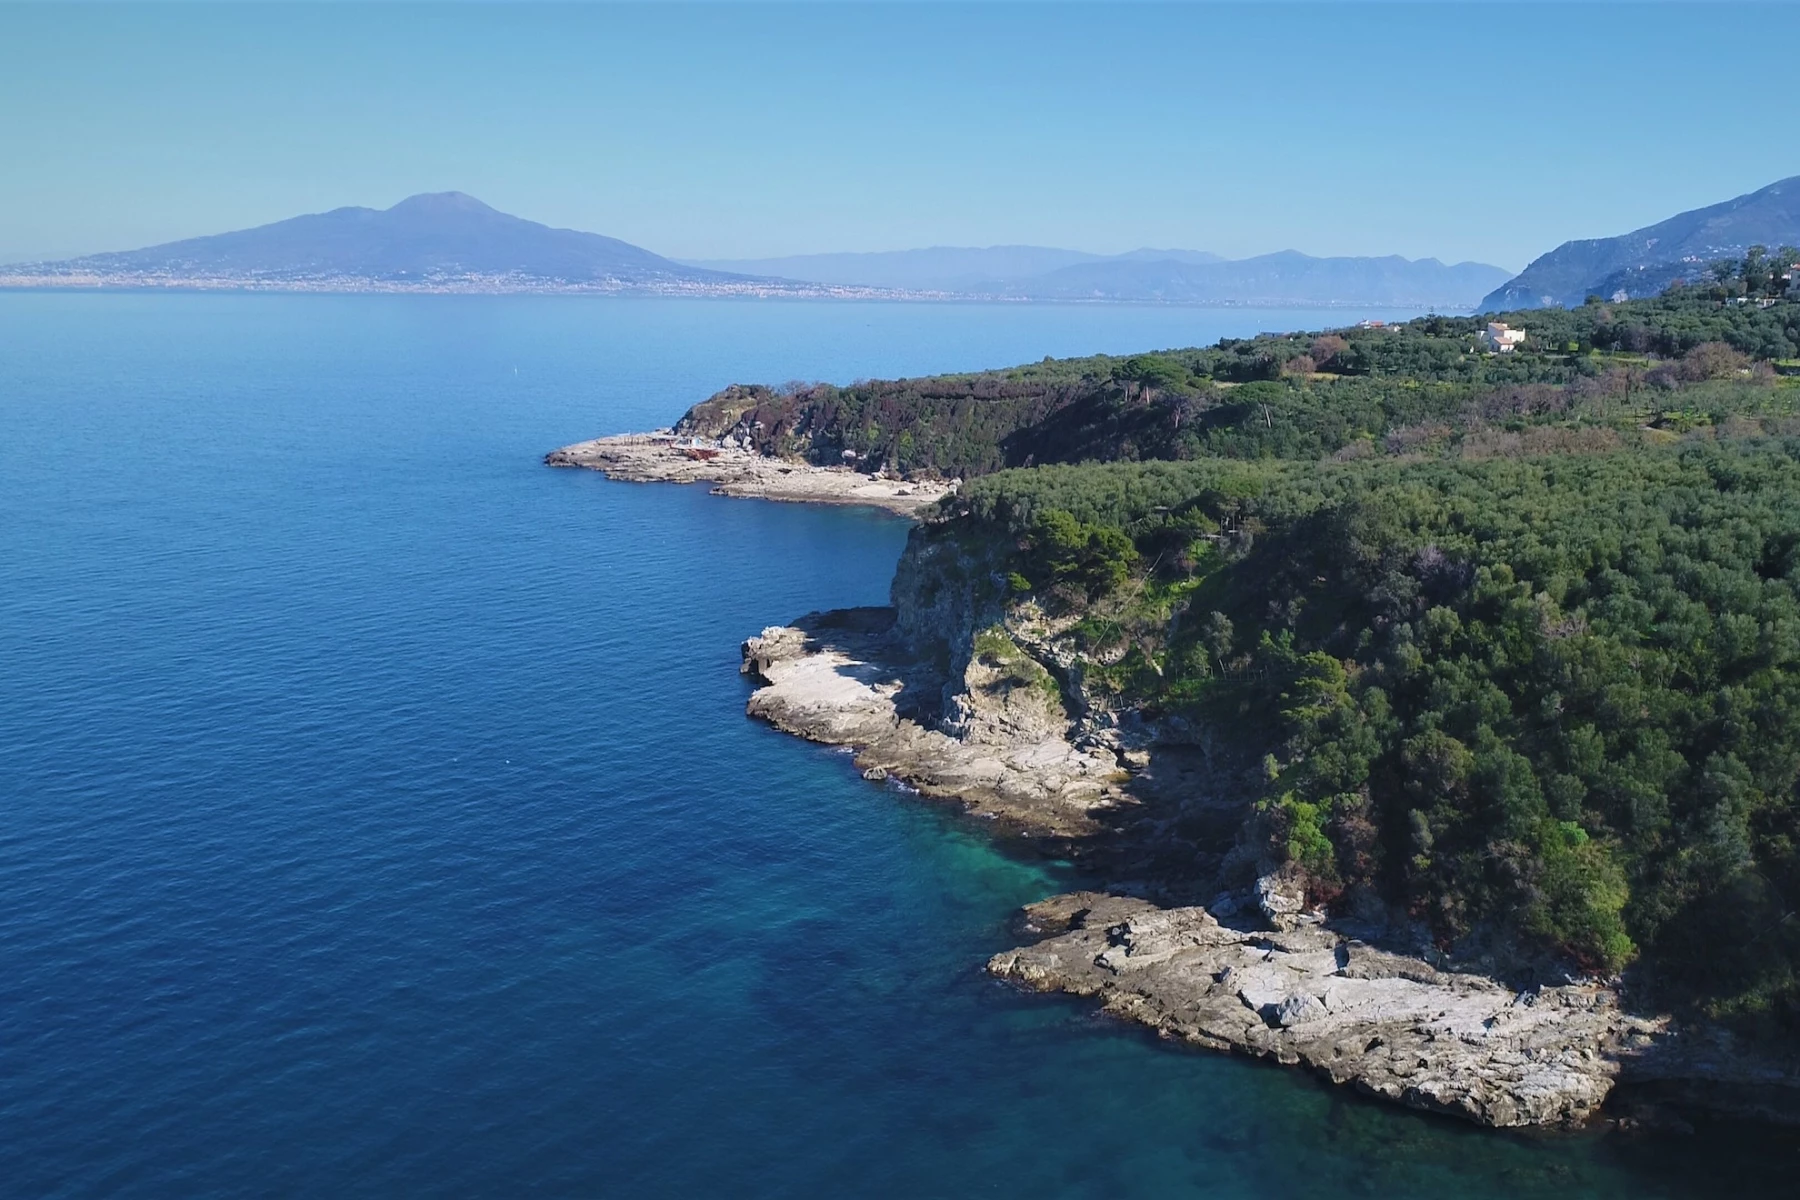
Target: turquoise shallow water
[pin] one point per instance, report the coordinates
(378, 815)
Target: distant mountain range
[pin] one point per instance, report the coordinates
(1168, 276)
(936, 269)
(1286, 277)
(1646, 261)
(447, 241)
(438, 237)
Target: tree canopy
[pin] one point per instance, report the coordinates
(1516, 636)
(1555, 695)
(1426, 383)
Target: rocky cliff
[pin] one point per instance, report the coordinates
(969, 694)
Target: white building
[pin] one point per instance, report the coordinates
(1500, 339)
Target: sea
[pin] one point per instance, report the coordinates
(379, 816)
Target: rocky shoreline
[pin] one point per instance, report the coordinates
(844, 678)
(1250, 972)
(662, 457)
(946, 695)
(1389, 1025)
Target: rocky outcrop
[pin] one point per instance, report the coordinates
(1392, 1025)
(722, 414)
(849, 678)
(662, 457)
(1389, 1025)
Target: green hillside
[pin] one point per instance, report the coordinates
(1515, 637)
(1595, 374)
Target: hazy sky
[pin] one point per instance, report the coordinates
(1486, 131)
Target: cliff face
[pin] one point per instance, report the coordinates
(724, 414)
(971, 692)
(1011, 670)
(950, 601)
(948, 583)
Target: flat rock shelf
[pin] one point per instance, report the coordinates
(1387, 1024)
(661, 457)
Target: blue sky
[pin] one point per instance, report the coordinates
(1465, 131)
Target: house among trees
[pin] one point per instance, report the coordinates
(1499, 338)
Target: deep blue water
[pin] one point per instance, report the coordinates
(378, 815)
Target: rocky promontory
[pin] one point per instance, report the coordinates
(662, 457)
(1390, 1025)
(846, 678)
(1250, 970)
(969, 690)
(1275, 982)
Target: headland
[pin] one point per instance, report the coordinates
(1389, 687)
(662, 457)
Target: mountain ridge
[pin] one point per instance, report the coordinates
(451, 241)
(936, 268)
(927, 268)
(1284, 277)
(1646, 261)
(432, 234)
(1146, 274)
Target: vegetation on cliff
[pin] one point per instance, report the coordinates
(1670, 362)
(1524, 660)
(1554, 695)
